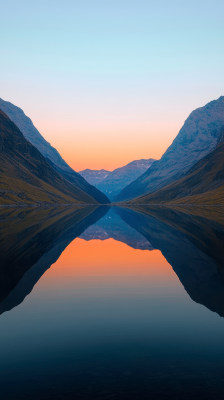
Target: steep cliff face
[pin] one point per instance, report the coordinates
(29, 131)
(197, 138)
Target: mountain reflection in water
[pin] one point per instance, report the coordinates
(121, 324)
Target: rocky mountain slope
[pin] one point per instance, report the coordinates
(204, 183)
(197, 138)
(50, 153)
(26, 177)
(112, 182)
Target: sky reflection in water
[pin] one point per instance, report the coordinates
(111, 318)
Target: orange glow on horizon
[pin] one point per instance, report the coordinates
(103, 159)
(109, 156)
(109, 149)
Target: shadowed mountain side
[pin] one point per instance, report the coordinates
(25, 175)
(76, 179)
(192, 245)
(112, 226)
(203, 184)
(29, 131)
(31, 241)
(199, 136)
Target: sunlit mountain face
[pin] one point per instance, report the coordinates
(111, 303)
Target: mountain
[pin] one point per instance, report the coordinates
(112, 182)
(26, 177)
(203, 184)
(36, 139)
(197, 138)
(94, 176)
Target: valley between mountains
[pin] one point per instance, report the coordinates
(190, 172)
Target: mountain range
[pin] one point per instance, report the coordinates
(112, 182)
(189, 172)
(52, 156)
(198, 137)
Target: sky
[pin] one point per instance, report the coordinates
(108, 82)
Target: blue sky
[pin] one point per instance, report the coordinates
(92, 73)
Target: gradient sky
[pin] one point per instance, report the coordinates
(107, 82)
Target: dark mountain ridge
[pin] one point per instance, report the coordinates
(27, 177)
(29, 131)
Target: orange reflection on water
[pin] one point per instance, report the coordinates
(108, 258)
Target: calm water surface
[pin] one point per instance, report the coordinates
(111, 304)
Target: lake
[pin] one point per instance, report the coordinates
(111, 303)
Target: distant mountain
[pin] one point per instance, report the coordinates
(197, 138)
(112, 182)
(203, 184)
(50, 153)
(26, 177)
(94, 176)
